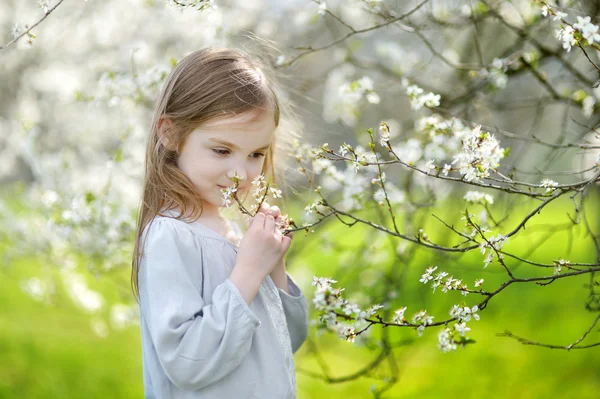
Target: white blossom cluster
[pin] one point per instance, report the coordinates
(261, 190)
(549, 184)
(113, 87)
(342, 97)
(449, 337)
(422, 318)
(418, 98)
(478, 197)
(353, 92)
(496, 74)
(491, 245)
(447, 282)
(481, 153)
(329, 300)
(570, 35)
(558, 265)
(352, 184)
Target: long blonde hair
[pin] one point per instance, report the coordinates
(204, 85)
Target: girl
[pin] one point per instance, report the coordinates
(220, 317)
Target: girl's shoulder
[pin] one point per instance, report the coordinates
(168, 221)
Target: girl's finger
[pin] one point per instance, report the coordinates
(264, 208)
(259, 221)
(274, 210)
(270, 223)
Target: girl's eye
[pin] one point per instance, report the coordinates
(220, 151)
(258, 155)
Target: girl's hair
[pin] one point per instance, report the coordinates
(204, 85)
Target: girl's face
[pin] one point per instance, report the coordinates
(214, 152)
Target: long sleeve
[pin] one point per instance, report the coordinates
(197, 343)
(296, 313)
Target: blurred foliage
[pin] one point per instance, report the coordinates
(51, 350)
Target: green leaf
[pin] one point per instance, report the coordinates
(89, 197)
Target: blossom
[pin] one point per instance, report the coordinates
(558, 15)
(478, 282)
(446, 341)
(481, 153)
(567, 35)
(447, 168)
(588, 105)
(461, 328)
(399, 316)
(466, 313)
(373, 98)
(477, 196)
(418, 99)
(426, 277)
(322, 8)
(549, 184)
(227, 195)
(384, 134)
(588, 30)
(44, 4)
(16, 31)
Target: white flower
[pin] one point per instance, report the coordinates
(466, 313)
(430, 164)
(461, 328)
(322, 8)
(44, 4)
(588, 30)
(447, 168)
(566, 34)
(280, 60)
(351, 308)
(276, 193)
(588, 105)
(557, 268)
(549, 184)
(481, 153)
(418, 99)
(477, 196)
(545, 10)
(446, 341)
(384, 134)
(426, 277)
(399, 316)
(558, 15)
(16, 31)
(478, 282)
(373, 98)
(455, 311)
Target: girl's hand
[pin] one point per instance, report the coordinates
(276, 212)
(263, 246)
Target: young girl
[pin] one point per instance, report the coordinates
(220, 317)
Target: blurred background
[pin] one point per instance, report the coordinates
(74, 113)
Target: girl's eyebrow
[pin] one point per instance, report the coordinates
(235, 147)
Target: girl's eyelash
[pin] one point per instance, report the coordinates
(221, 151)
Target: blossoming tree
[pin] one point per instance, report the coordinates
(491, 102)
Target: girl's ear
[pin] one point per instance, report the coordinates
(166, 134)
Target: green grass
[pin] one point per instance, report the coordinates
(50, 350)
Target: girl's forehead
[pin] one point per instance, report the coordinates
(252, 119)
(247, 129)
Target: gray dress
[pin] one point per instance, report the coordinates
(199, 337)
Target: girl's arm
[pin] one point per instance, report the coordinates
(197, 343)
